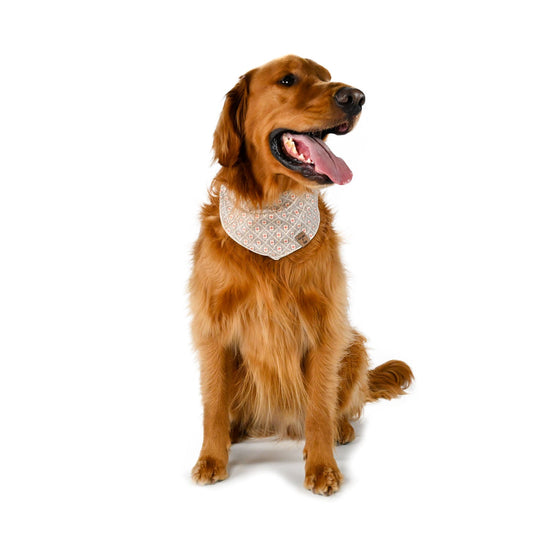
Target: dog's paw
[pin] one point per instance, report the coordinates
(208, 470)
(346, 433)
(322, 479)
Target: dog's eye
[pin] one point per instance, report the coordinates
(288, 80)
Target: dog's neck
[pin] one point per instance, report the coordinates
(276, 230)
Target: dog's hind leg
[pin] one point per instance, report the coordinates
(353, 385)
(359, 385)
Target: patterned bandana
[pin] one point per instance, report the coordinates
(275, 231)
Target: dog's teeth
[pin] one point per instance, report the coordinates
(290, 145)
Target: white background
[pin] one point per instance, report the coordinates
(106, 117)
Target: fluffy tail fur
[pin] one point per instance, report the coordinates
(389, 380)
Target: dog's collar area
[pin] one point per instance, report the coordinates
(276, 230)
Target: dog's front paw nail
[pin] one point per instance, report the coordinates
(322, 479)
(208, 470)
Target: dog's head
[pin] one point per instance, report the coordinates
(273, 127)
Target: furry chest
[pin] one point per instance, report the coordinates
(270, 381)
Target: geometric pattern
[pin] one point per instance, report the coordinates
(276, 230)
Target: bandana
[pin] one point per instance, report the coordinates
(276, 230)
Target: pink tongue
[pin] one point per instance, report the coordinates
(326, 162)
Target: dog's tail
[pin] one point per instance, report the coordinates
(389, 380)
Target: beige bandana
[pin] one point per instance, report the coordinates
(276, 230)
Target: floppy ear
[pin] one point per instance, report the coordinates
(228, 137)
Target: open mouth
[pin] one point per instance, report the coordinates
(308, 154)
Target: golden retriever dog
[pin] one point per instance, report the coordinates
(268, 292)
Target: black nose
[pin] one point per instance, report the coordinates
(350, 100)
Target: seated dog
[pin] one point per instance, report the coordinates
(268, 290)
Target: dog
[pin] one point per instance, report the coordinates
(278, 356)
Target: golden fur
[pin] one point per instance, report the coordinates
(278, 355)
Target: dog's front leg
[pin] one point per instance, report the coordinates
(322, 474)
(212, 463)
